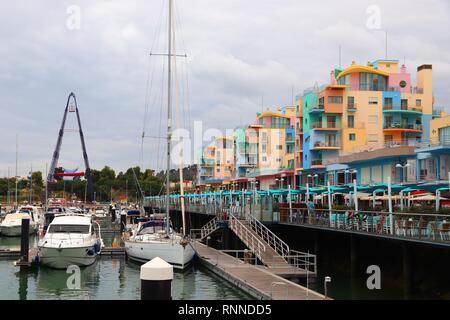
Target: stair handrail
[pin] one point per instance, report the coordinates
(242, 231)
(281, 247)
(208, 228)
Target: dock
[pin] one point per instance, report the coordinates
(113, 251)
(256, 280)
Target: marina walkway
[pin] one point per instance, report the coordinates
(258, 281)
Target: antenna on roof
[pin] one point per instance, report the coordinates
(292, 96)
(340, 57)
(386, 45)
(262, 103)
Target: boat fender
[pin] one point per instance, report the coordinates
(90, 252)
(97, 248)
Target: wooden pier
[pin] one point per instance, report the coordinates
(258, 281)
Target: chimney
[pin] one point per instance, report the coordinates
(332, 78)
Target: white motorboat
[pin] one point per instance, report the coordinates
(150, 240)
(70, 239)
(11, 226)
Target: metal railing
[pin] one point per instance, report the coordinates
(418, 226)
(246, 256)
(321, 144)
(247, 237)
(326, 125)
(209, 228)
(294, 262)
(268, 236)
(403, 126)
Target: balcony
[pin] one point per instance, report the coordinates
(207, 162)
(317, 163)
(328, 126)
(317, 108)
(320, 145)
(404, 109)
(396, 127)
(352, 107)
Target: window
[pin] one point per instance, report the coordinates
(321, 101)
(264, 147)
(278, 159)
(264, 136)
(279, 147)
(388, 121)
(373, 119)
(352, 137)
(345, 80)
(388, 103)
(264, 158)
(351, 121)
(350, 102)
(418, 103)
(68, 228)
(371, 82)
(335, 99)
(373, 100)
(404, 104)
(218, 170)
(372, 138)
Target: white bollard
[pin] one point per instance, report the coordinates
(156, 280)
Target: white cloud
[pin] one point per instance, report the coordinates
(238, 52)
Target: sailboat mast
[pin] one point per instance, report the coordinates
(169, 116)
(17, 155)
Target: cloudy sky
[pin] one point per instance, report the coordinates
(242, 56)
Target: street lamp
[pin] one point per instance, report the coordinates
(403, 167)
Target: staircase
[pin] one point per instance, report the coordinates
(212, 226)
(270, 249)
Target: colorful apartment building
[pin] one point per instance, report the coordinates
(363, 109)
(262, 152)
(369, 123)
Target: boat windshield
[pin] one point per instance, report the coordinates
(152, 227)
(68, 228)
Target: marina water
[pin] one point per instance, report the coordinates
(109, 278)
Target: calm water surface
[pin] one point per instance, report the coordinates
(107, 279)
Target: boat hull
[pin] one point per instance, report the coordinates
(61, 258)
(15, 231)
(172, 252)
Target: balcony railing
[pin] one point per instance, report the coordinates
(321, 144)
(327, 125)
(352, 107)
(317, 162)
(318, 107)
(403, 126)
(207, 162)
(403, 108)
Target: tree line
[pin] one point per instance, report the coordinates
(107, 185)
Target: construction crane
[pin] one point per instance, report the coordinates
(71, 106)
